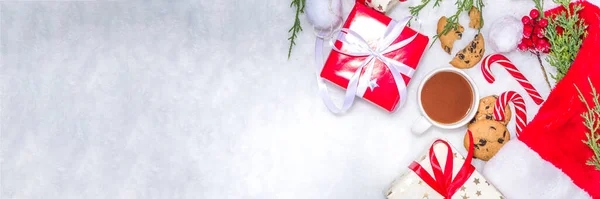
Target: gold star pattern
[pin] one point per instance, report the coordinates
(478, 193)
(476, 181)
(420, 182)
(426, 195)
(463, 188)
(455, 156)
(465, 196)
(501, 197)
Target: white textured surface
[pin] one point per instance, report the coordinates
(152, 99)
(517, 158)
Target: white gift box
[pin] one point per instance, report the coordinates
(410, 185)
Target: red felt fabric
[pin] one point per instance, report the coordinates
(557, 131)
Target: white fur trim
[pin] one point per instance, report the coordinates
(519, 172)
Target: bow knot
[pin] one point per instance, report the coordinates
(359, 47)
(443, 182)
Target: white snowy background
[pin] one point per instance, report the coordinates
(181, 99)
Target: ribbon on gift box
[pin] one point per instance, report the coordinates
(443, 182)
(357, 46)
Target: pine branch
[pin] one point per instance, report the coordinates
(564, 46)
(592, 122)
(297, 27)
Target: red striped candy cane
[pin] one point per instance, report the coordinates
(510, 67)
(520, 109)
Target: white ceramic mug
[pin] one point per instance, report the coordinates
(424, 122)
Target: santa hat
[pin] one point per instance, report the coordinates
(548, 159)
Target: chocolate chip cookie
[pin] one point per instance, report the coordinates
(447, 40)
(486, 110)
(475, 16)
(470, 55)
(488, 137)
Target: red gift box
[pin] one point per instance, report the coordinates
(372, 25)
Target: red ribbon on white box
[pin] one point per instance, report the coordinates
(359, 47)
(442, 181)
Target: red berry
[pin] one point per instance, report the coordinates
(526, 20)
(546, 42)
(534, 40)
(528, 43)
(544, 46)
(542, 42)
(527, 30)
(541, 45)
(559, 30)
(538, 32)
(546, 49)
(534, 14)
(522, 46)
(543, 23)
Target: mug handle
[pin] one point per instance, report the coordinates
(421, 125)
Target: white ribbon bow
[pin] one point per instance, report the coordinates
(360, 48)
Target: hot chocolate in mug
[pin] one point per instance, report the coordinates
(447, 98)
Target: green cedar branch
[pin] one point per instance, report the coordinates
(296, 28)
(592, 122)
(479, 5)
(564, 46)
(414, 10)
(539, 5)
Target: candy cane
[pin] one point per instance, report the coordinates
(520, 109)
(502, 60)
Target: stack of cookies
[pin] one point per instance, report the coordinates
(473, 52)
(489, 135)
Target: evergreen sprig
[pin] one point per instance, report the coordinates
(462, 6)
(414, 10)
(297, 27)
(479, 5)
(564, 46)
(592, 122)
